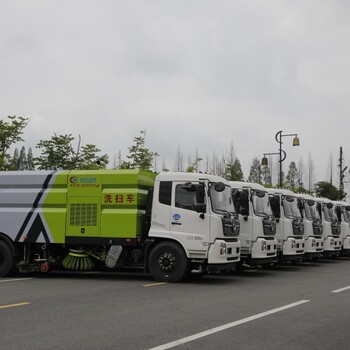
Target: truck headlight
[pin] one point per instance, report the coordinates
(331, 241)
(293, 244)
(222, 248)
(263, 246)
(313, 243)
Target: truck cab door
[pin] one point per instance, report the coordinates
(189, 219)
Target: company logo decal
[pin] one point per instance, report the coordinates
(176, 216)
(83, 181)
(73, 180)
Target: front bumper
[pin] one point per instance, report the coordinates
(224, 252)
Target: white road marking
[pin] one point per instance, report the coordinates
(340, 290)
(16, 280)
(226, 326)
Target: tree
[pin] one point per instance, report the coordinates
(292, 176)
(266, 175)
(14, 162)
(179, 159)
(141, 157)
(232, 165)
(193, 166)
(310, 174)
(30, 160)
(22, 159)
(301, 169)
(89, 160)
(327, 190)
(10, 133)
(255, 171)
(57, 153)
(233, 171)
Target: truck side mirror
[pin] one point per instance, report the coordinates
(219, 186)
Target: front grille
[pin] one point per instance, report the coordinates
(335, 228)
(317, 228)
(230, 227)
(298, 228)
(269, 227)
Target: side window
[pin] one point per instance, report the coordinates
(185, 197)
(165, 192)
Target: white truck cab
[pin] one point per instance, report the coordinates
(257, 223)
(289, 225)
(312, 226)
(331, 228)
(196, 211)
(342, 210)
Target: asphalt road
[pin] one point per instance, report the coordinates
(287, 307)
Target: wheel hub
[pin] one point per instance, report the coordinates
(167, 261)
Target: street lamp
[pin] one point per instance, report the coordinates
(281, 153)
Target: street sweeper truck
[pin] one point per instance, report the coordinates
(289, 227)
(331, 228)
(342, 209)
(257, 224)
(312, 226)
(170, 224)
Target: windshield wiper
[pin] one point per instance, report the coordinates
(225, 212)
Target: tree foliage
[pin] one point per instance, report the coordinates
(19, 161)
(58, 153)
(292, 176)
(10, 132)
(255, 172)
(327, 190)
(233, 171)
(266, 175)
(141, 157)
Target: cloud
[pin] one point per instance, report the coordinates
(196, 75)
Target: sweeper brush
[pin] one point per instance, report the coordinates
(78, 260)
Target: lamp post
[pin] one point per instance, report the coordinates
(281, 153)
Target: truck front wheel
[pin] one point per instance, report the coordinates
(7, 260)
(168, 262)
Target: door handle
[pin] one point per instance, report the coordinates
(176, 223)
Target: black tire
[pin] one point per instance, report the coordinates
(7, 260)
(167, 262)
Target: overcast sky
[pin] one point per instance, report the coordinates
(196, 74)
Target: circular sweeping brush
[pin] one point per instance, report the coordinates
(78, 260)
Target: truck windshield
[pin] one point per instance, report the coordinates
(290, 207)
(311, 211)
(346, 212)
(329, 213)
(222, 201)
(261, 203)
